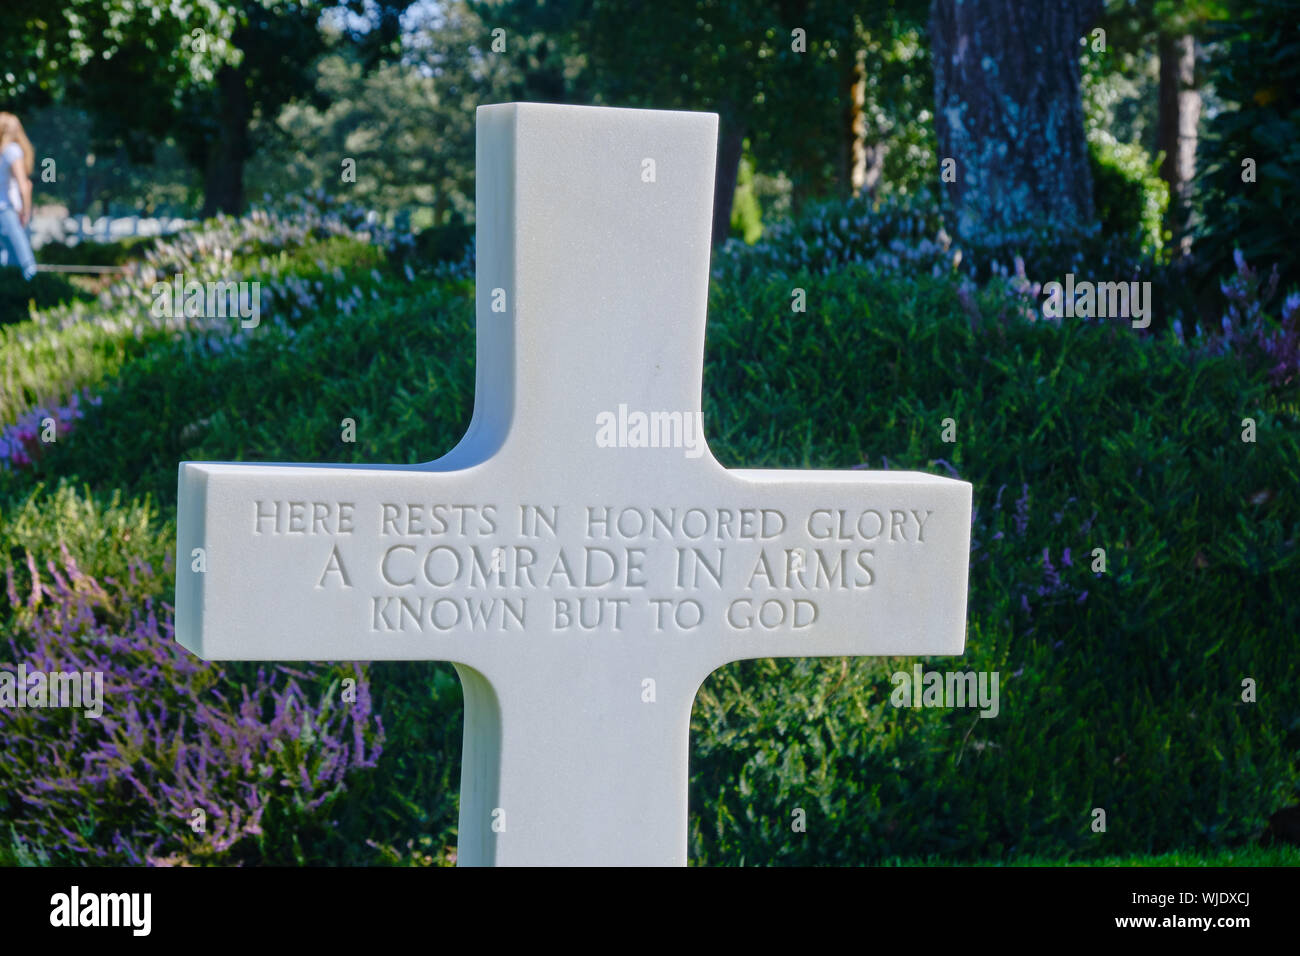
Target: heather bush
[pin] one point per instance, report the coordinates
(901, 232)
(1248, 330)
(65, 348)
(23, 442)
(904, 237)
(184, 766)
(105, 535)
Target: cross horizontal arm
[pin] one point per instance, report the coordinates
(474, 565)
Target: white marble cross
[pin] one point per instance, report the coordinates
(580, 555)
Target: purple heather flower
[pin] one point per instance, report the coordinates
(169, 740)
(1022, 511)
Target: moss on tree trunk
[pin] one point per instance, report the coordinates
(1008, 110)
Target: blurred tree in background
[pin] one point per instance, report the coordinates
(197, 71)
(398, 137)
(1249, 187)
(1071, 112)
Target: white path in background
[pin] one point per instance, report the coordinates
(71, 229)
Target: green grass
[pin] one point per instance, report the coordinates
(1243, 856)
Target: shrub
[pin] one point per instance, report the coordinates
(1128, 698)
(746, 213)
(1247, 330)
(25, 441)
(1128, 193)
(1120, 688)
(258, 765)
(18, 296)
(106, 536)
(68, 347)
(306, 368)
(91, 253)
(840, 232)
(443, 243)
(905, 237)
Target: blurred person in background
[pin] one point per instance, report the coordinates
(17, 160)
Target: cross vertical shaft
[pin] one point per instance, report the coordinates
(592, 242)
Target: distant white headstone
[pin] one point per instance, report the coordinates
(580, 555)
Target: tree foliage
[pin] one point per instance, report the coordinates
(398, 138)
(1249, 187)
(198, 70)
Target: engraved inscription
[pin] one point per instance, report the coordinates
(477, 567)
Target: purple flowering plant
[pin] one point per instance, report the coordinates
(187, 764)
(22, 443)
(1002, 529)
(1247, 330)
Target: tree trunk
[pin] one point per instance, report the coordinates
(1009, 111)
(440, 205)
(1176, 127)
(863, 159)
(224, 179)
(82, 205)
(730, 148)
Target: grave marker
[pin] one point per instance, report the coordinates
(580, 555)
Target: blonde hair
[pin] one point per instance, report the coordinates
(11, 131)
